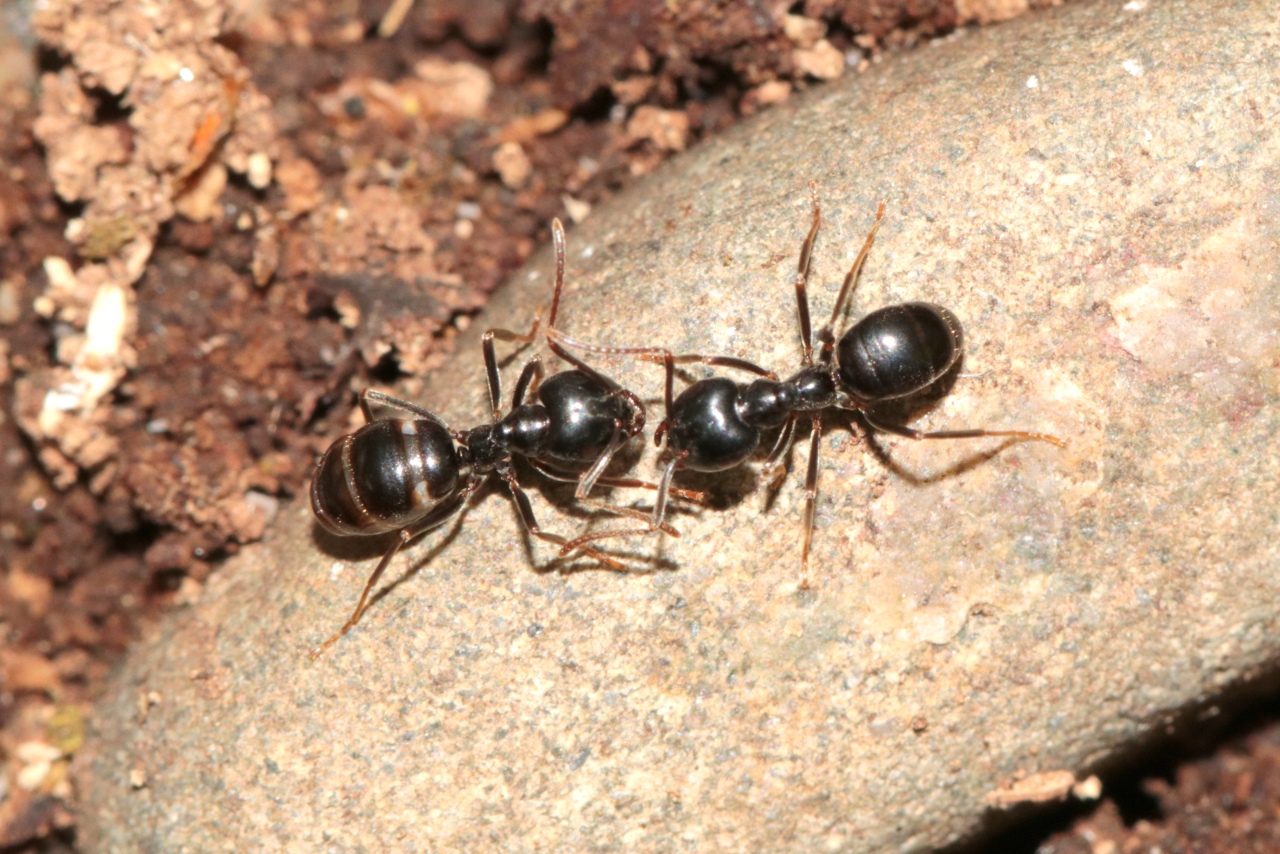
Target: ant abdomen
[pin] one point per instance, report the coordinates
(384, 476)
(898, 350)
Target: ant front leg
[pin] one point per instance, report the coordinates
(664, 489)
(588, 480)
(553, 337)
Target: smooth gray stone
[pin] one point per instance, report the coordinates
(1093, 191)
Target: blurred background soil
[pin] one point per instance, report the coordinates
(219, 222)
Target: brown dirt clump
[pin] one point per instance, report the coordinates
(1222, 802)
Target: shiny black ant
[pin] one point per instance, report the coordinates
(716, 424)
(412, 475)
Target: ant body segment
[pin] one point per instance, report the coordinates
(717, 423)
(410, 475)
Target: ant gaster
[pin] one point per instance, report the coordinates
(412, 475)
(716, 424)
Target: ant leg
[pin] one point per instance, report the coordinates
(810, 496)
(655, 520)
(664, 489)
(556, 337)
(491, 359)
(530, 377)
(634, 513)
(578, 542)
(434, 519)
(694, 495)
(593, 474)
(369, 397)
(774, 469)
(557, 240)
(697, 496)
(400, 542)
(910, 433)
(802, 278)
(717, 361)
(525, 509)
(827, 334)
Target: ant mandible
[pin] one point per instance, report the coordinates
(716, 423)
(412, 475)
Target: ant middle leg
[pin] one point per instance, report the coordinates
(826, 335)
(525, 509)
(773, 468)
(810, 496)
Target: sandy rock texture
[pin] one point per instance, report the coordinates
(1093, 191)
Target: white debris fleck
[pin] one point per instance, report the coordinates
(108, 317)
(1089, 789)
(577, 209)
(259, 170)
(31, 776)
(1033, 82)
(36, 751)
(62, 281)
(1135, 5)
(1133, 67)
(267, 505)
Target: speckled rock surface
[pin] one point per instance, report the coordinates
(1094, 192)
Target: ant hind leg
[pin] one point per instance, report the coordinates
(912, 433)
(434, 519)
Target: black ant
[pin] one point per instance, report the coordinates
(412, 475)
(715, 424)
